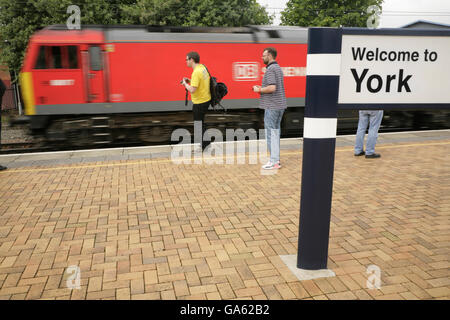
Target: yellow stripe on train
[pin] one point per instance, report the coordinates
(26, 83)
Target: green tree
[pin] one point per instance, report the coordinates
(155, 12)
(232, 13)
(213, 13)
(20, 19)
(328, 13)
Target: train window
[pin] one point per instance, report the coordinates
(73, 57)
(40, 62)
(56, 58)
(95, 57)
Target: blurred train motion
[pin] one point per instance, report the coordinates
(107, 84)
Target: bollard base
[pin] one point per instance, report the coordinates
(291, 262)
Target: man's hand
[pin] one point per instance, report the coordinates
(186, 83)
(269, 89)
(257, 89)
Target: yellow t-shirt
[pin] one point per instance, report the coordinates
(200, 79)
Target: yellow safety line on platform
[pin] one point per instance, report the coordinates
(140, 162)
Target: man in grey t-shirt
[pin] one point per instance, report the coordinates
(273, 100)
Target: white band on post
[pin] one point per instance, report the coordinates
(319, 128)
(323, 64)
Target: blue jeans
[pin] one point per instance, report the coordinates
(272, 125)
(373, 119)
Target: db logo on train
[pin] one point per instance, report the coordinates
(250, 71)
(245, 71)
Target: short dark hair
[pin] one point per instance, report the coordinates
(194, 55)
(272, 51)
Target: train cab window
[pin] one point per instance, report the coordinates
(56, 61)
(73, 57)
(57, 57)
(95, 57)
(40, 62)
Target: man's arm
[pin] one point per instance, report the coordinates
(190, 88)
(186, 83)
(269, 89)
(269, 77)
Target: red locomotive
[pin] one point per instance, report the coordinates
(106, 83)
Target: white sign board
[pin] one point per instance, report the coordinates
(394, 69)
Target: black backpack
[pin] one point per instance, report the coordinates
(218, 91)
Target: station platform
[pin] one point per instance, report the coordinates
(140, 225)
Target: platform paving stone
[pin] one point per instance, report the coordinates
(152, 229)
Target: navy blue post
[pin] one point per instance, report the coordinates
(319, 141)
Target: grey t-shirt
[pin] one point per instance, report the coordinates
(277, 99)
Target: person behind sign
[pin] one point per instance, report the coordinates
(373, 119)
(198, 86)
(273, 100)
(2, 92)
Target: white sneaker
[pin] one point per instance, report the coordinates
(271, 166)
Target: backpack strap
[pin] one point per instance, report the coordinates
(207, 71)
(214, 107)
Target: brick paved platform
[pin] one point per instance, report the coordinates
(146, 228)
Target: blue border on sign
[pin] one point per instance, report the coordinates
(397, 32)
(324, 40)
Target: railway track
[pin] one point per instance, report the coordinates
(21, 147)
(33, 147)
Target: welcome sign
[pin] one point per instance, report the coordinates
(394, 69)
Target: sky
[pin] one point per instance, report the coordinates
(396, 13)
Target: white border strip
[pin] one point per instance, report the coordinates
(320, 128)
(323, 64)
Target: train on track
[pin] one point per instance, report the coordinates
(107, 84)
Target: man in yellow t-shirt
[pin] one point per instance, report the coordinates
(198, 86)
